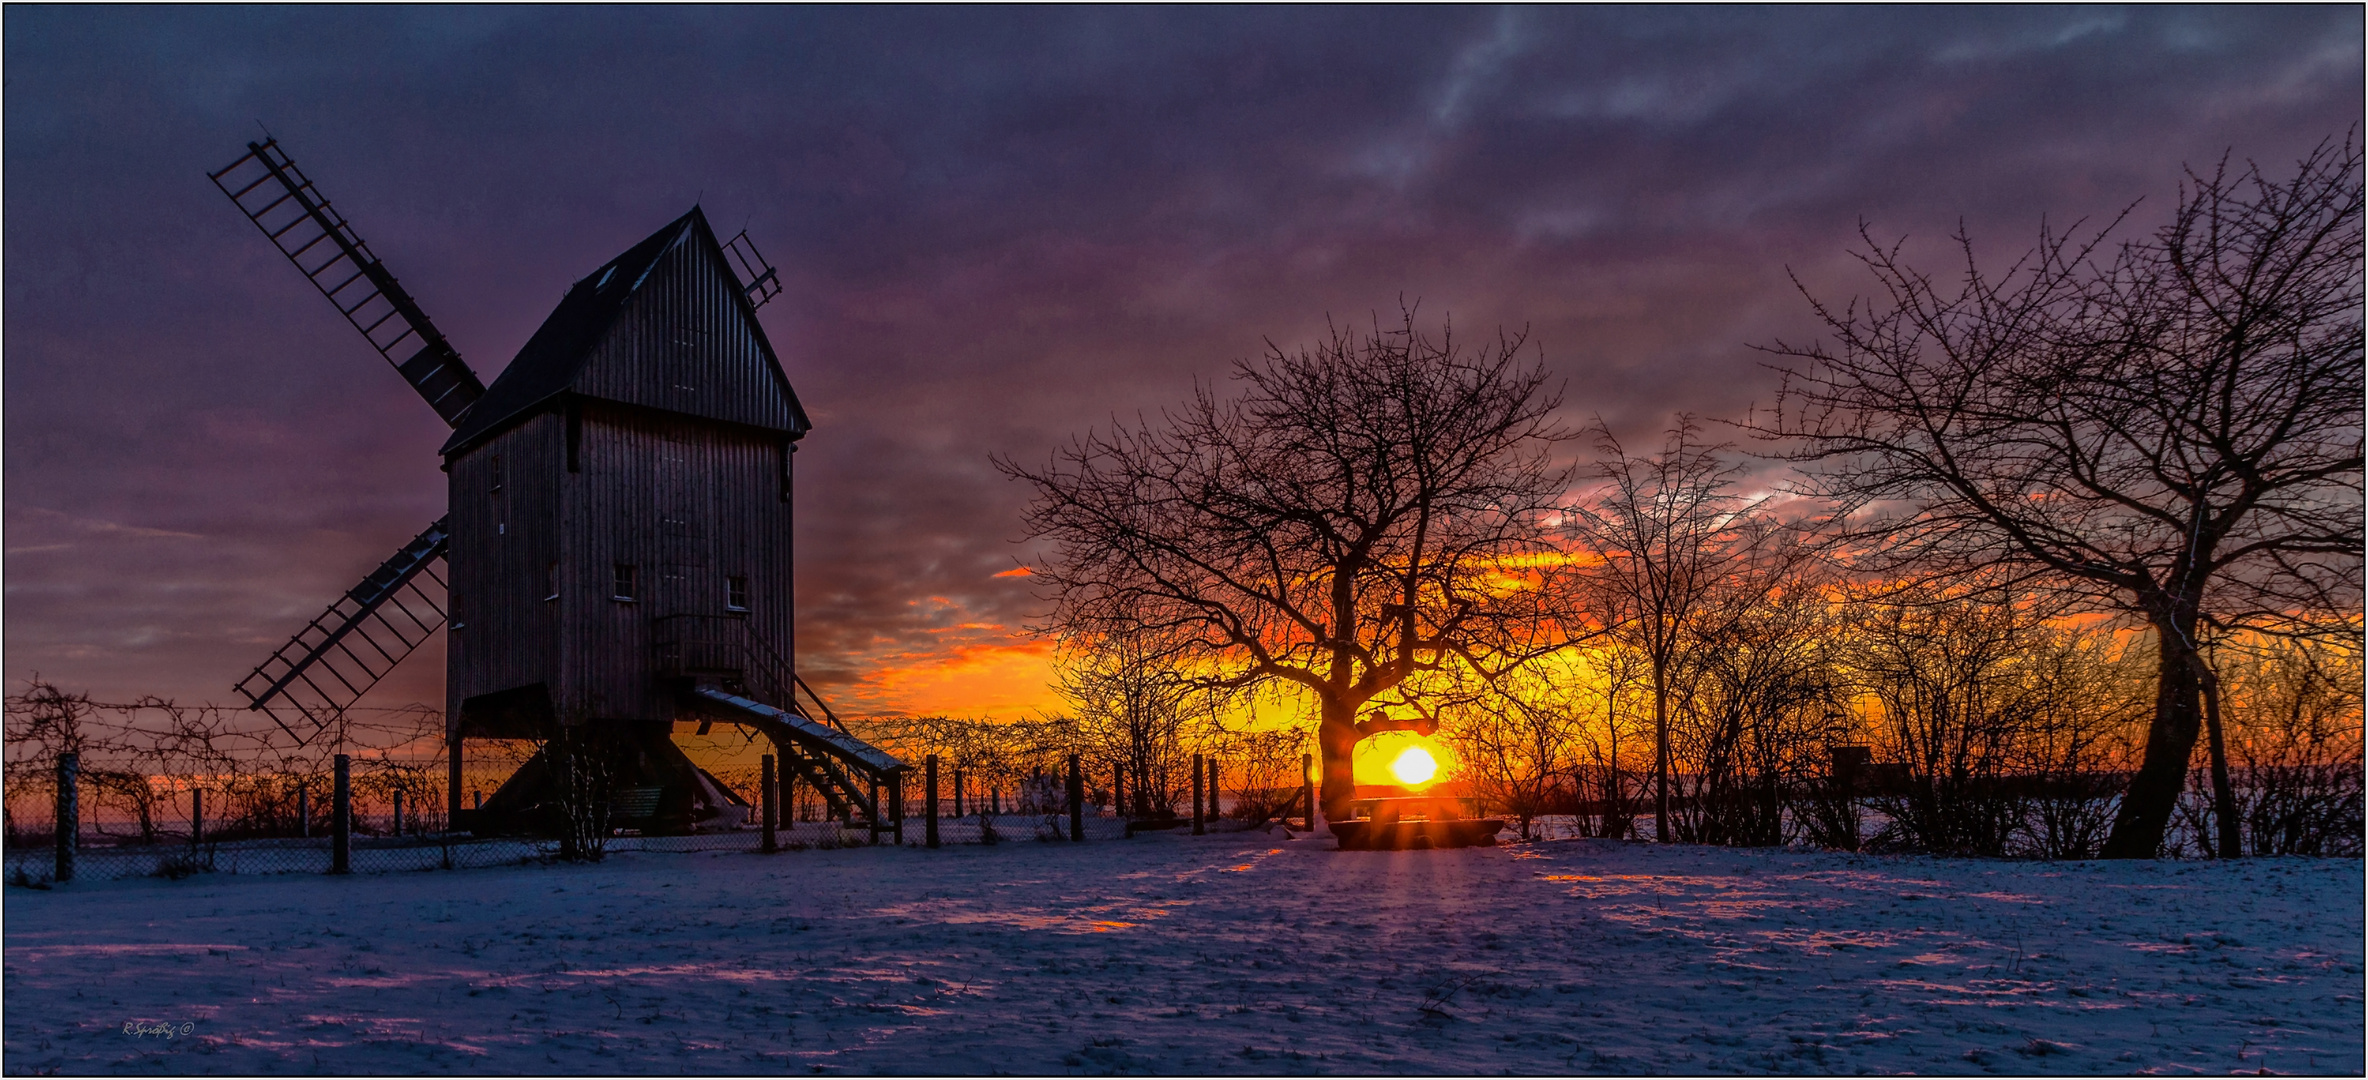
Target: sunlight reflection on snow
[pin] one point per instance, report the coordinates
(1083, 919)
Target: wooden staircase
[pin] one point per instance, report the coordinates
(724, 670)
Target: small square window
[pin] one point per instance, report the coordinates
(624, 586)
(736, 593)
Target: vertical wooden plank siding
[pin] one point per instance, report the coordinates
(678, 418)
(689, 504)
(504, 633)
(685, 344)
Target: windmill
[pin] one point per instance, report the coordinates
(616, 552)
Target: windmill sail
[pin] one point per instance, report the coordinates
(758, 282)
(273, 193)
(345, 650)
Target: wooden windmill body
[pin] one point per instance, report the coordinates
(618, 535)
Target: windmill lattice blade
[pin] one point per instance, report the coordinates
(273, 193)
(758, 280)
(345, 650)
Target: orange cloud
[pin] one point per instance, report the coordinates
(1010, 678)
(1017, 571)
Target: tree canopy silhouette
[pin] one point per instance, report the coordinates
(2170, 425)
(1366, 510)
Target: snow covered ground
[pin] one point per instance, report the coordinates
(1218, 954)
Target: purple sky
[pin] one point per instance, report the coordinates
(997, 228)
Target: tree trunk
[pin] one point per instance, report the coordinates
(1337, 738)
(2223, 793)
(1660, 753)
(2145, 811)
(1616, 797)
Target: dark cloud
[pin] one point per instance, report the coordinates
(998, 227)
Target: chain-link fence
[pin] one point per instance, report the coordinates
(160, 789)
(268, 823)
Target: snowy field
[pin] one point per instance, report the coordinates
(1220, 954)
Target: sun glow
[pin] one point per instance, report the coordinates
(1414, 768)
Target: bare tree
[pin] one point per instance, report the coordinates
(1604, 779)
(1130, 706)
(2294, 733)
(999, 759)
(1950, 676)
(1514, 746)
(2172, 427)
(1369, 509)
(1263, 770)
(1758, 698)
(141, 759)
(579, 756)
(2087, 697)
(1667, 528)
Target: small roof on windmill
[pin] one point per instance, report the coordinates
(665, 325)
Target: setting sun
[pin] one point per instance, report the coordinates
(1414, 767)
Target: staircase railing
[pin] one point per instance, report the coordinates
(731, 650)
(719, 657)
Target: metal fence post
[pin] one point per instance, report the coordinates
(929, 791)
(1197, 770)
(69, 813)
(1307, 788)
(304, 810)
(1076, 801)
(896, 807)
(197, 819)
(341, 818)
(398, 812)
(957, 792)
(765, 785)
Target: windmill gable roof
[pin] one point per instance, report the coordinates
(664, 325)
